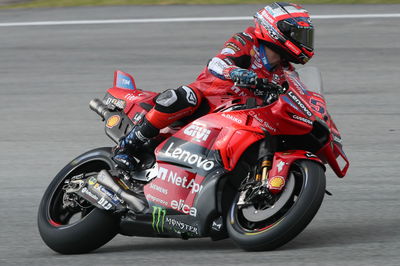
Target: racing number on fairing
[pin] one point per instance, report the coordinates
(317, 106)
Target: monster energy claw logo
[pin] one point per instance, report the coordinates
(158, 219)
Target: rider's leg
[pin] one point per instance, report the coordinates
(171, 105)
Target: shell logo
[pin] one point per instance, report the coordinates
(277, 182)
(113, 121)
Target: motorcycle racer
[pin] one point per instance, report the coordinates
(283, 34)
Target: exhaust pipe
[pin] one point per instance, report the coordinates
(105, 179)
(99, 107)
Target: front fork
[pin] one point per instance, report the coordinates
(256, 189)
(266, 155)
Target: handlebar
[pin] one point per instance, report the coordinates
(262, 84)
(269, 91)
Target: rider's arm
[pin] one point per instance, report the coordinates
(234, 59)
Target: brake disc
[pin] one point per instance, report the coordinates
(255, 215)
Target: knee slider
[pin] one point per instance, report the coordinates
(171, 101)
(167, 98)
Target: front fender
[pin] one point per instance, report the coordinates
(281, 165)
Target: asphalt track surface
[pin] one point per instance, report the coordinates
(49, 74)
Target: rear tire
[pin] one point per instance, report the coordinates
(94, 228)
(290, 220)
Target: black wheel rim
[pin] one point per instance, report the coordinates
(241, 224)
(57, 215)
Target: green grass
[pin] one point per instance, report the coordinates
(64, 3)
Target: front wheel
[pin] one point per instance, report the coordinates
(260, 228)
(69, 224)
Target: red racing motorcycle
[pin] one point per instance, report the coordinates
(248, 168)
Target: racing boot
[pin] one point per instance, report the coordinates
(132, 144)
(128, 146)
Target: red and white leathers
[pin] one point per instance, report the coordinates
(242, 50)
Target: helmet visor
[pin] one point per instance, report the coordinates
(303, 36)
(299, 30)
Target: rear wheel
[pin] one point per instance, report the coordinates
(258, 227)
(69, 224)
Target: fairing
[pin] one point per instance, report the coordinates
(183, 198)
(125, 95)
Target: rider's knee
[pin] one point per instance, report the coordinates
(172, 101)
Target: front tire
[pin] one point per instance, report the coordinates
(93, 228)
(299, 208)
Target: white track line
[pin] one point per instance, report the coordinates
(167, 20)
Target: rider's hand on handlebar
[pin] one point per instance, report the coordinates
(266, 85)
(269, 90)
(243, 76)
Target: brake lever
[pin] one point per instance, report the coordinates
(244, 85)
(270, 90)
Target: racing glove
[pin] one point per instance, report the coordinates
(240, 75)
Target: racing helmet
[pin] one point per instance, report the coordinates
(286, 29)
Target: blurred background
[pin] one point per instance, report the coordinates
(55, 56)
(64, 3)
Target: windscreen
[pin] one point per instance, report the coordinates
(311, 78)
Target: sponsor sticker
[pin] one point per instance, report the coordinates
(181, 226)
(183, 207)
(229, 61)
(233, 46)
(227, 51)
(130, 96)
(299, 103)
(114, 198)
(188, 157)
(277, 182)
(216, 226)
(261, 121)
(217, 65)
(112, 121)
(268, 16)
(247, 36)
(124, 81)
(117, 102)
(239, 39)
(199, 133)
(238, 91)
(159, 189)
(179, 181)
(292, 47)
(302, 119)
(89, 193)
(158, 215)
(156, 200)
(104, 203)
(160, 219)
(233, 118)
